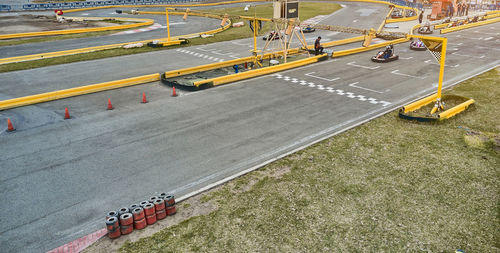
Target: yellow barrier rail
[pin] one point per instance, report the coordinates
(397, 20)
(258, 72)
(54, 95)
(455, 110)
(77, 51)
(458, 28)
(414, 28)
(419, 103)
(368, 48)
(143, 22)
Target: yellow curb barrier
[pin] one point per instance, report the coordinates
(397, 20)
(455, 110)
(54, 95)
(211, 66)
(339, 42)
(176, 40)
(419, 103)
(480, 23)
(368, 48)
(259, 72)
(78, 51)
(383, 21)
(414, 28)
(143, 22)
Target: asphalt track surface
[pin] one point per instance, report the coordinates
(59, 177)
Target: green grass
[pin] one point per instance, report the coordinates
(389, 185)
(307, 10)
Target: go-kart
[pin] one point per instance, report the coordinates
(424, 30)
(272, 36)
(380, 58)
(308, 29)
(415, 45)
(397, 14)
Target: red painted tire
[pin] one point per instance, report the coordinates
(126, 229)
(170, 200)
(138, 213)
(112, 224)
(126, 219)
(163, 195)
(140, 224)
(160, 215)
(151, 219)
(122, 211)
(149, 209)
(133, 206)
(159, 204)
(171, 210)
(114, 234)
(143, 203)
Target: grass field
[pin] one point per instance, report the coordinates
(307, 10)
(386, 186)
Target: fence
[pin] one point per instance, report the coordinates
(76, 5)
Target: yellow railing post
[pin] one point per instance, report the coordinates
(441, 67)
(168, 25)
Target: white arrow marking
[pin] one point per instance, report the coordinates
(363, 88)
(322, 78)
(359, 66)
(396, 72)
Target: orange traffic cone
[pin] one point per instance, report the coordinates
(174, 94)
(144, 100)
(66, 114)
(10, 128)
(110, 106)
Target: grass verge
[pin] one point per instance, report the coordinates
(307, 10)
(389, 185)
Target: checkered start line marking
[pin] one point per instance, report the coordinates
(332, 90)
(215, 59)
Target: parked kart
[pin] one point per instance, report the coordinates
(424, 30)
(272, 36)
(380, 57)
(418, 46)
(308, 30)
(396, 14)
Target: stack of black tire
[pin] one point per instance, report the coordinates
(138, 216)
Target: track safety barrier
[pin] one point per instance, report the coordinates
(479, 23)
(455, 110)
(259, 72)
(368, 48)
(142, 22)
(54, 95)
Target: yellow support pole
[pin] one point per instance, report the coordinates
(168, 25)
(441, 67)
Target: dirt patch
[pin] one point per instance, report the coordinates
(189, 208)
(38, 23)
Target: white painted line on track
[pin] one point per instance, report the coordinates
(360, 66)
(466, 55)
(497, 49)
(363, 88)
(396, 72)
(84, 14)
(456, 44)
(435, 63)
(489, 38)
(322, 78)
(406, 58)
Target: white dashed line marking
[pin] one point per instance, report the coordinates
(204, 56)
(470, 56)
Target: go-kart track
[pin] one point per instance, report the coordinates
(59, 177)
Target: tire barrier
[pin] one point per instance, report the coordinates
(113, 227)
(139, 216)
